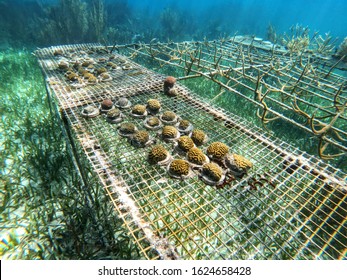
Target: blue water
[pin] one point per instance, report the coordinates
(34, 21)
(253, 16)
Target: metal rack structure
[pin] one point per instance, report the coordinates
(290, 205)
(299, 88)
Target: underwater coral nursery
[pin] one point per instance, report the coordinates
(190, 179)
(137, 151)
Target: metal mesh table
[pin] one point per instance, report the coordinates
(290, 205)
(298, 88)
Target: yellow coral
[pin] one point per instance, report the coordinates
(141, 137)
(168, 116)
(127, 128)
(153, 121)
(212, 171)
(82, 71)
(185, 143)
(238, 163)
(157, 153)
(101, 70)
(242, 162)
(169, 132)
(195, 155)
(184, 124)
(87, 75)
(72, 76)
(113, 113)
(105, 76)
(217, 150)
(198, 136)
(111, 64)
(139, 109)
(153, 104)
(179, 167)
(92, 79)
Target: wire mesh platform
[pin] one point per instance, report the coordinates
(290, 205)
(299, 88)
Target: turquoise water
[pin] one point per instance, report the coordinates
(47, 22)
(43, 210)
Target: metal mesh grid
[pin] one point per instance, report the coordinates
(290, 205)
(299, 88)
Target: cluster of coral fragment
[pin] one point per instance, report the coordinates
(174, 143)
(80, 69)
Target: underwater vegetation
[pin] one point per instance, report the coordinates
(173, 23)
(79, 21)
(299, 39)
(66, 21)
(44, 23)
(46, 211)
(342, 50)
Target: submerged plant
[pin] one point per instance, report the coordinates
(97, 19)
(46, 210)
(271, 34)
(342, 50)
(173, 23)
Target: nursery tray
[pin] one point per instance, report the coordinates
(290, 205)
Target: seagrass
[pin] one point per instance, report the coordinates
(290, 205)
